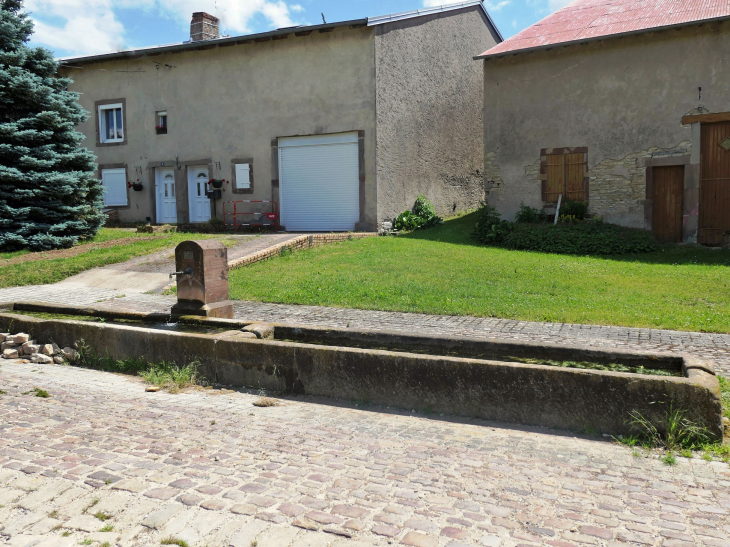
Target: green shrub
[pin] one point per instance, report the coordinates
(591, 238)
(407, 221)
(423, 215)
(529, 215)
(487, 217)
(577, 209)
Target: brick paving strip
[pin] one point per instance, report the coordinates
(208, 467)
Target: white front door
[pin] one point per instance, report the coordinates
(166, 202)
(198, 202)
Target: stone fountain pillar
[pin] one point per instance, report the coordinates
(202, 280)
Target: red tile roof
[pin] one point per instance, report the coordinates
(585, 20)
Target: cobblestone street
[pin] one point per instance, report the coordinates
(210, 468)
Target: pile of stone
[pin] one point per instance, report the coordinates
(20, 346)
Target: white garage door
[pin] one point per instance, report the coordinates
(319, 183)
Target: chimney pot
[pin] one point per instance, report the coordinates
(203, 26)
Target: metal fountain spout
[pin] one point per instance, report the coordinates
(188, 271)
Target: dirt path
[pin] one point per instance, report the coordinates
(73, 251)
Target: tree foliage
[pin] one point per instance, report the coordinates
(49, 197)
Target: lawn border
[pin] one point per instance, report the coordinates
(297, 244)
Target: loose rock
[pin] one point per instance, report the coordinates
(41, 359)
(153, 389)
(58, 360)
(10, 354)
(46, 349)
(29, 348)
(69, 353)
(6, 345)
(21, 338)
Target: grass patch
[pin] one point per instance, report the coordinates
(174, 541)
(102, 516)
(57, 269)
(41, 393)
(107, 528)
(444, 271)
(163, 374)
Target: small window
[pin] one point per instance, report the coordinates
(111, 123)
(161, 124)
(114, 182)
(243, 176)
(564, 174)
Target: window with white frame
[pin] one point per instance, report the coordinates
(111, 123)
(114, 182)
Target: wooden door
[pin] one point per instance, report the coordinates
(668, 191)
(715, 183)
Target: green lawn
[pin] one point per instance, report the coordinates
(57, 269)
(444, 271)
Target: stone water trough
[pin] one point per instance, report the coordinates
(501, 381)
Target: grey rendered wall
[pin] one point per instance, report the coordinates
(429, 111)
(621, 98)
(231, 102)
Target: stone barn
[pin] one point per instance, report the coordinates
(624, 104)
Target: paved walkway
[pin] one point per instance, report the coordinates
(209, 468)
(150, 273)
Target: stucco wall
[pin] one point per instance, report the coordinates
(231, 102)
(621, 98)
(429, 111)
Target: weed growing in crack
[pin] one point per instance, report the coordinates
(669, 459)
(170, 376)
(102, 516)
(675, 432)
(174, 541)
(107, 528)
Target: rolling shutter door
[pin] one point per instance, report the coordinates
(319, 182)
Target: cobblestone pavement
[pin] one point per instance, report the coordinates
(209, 468)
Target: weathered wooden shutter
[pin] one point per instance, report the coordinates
(555, 184)
(575, 168)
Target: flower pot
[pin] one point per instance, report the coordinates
(137, 187)
(217, 184)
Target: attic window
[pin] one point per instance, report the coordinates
(161, 124)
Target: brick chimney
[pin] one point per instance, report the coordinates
(203, 27)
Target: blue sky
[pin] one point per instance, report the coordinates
(79, 27)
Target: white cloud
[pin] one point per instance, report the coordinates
(91, 26)
(490, 6)
(557, 4)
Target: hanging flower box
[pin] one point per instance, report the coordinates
(217, 183)
(161, 129)
(136, 186)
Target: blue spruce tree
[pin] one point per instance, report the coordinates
(49, 197)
